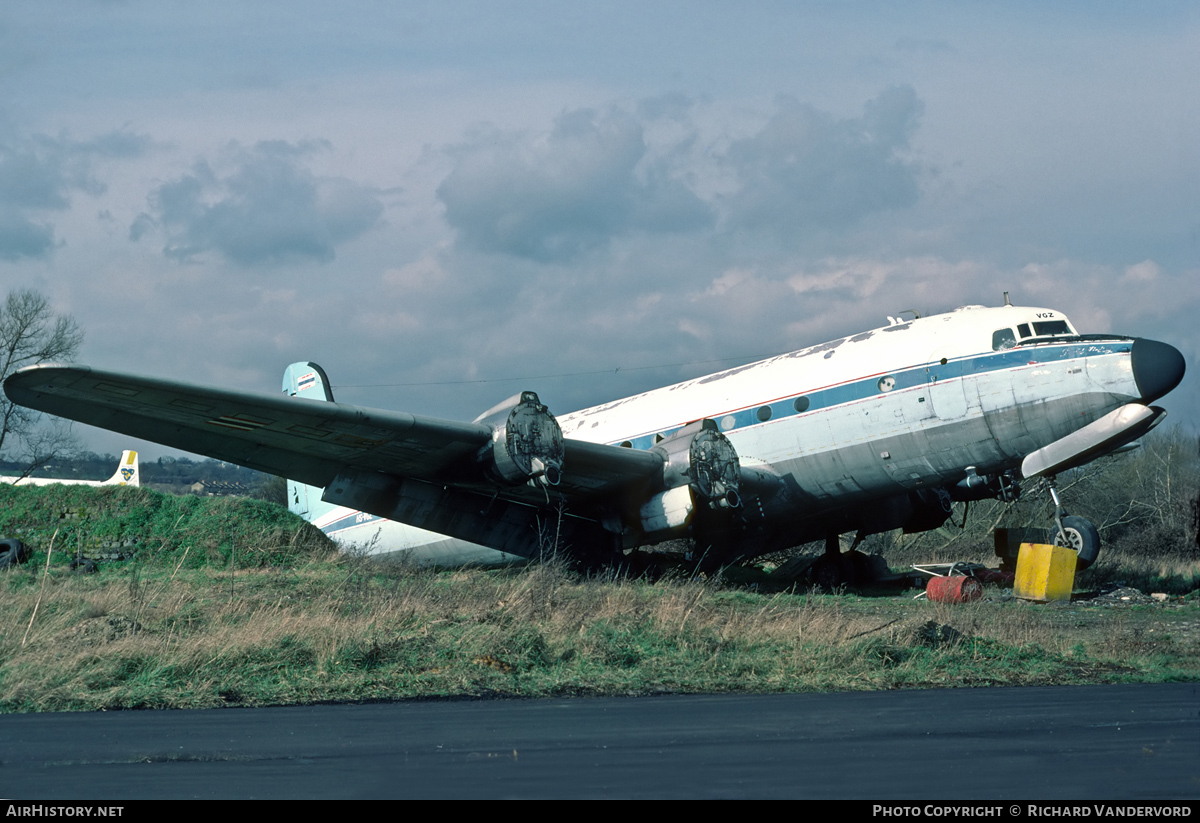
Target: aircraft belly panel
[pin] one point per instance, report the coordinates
(382, 538)
(857, 450)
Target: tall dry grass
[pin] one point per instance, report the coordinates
(279, 619)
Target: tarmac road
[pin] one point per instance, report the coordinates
(1132, 742)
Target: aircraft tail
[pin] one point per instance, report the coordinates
(307, 380)
(127, 473)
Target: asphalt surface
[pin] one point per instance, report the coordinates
(1134, 742)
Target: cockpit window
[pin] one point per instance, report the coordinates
(1003, 339)
(1049, 327)
(1023, 330)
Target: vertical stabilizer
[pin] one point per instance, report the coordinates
(309, 381)
(127, 471)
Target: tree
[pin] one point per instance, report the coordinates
(32, 333)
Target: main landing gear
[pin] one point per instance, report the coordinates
(836, 569)
(833, 570)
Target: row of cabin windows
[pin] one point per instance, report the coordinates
(1005, 339)
(1001, 339)
(763, 413)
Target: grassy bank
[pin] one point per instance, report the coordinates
(214, 602)
(289, 621)
(162, 529)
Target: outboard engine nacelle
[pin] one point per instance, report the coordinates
(527, 443)
(930, 509)
(701, 468)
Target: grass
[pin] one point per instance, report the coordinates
(279, 618)
(142, 523)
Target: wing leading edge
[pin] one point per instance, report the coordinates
(313, 441)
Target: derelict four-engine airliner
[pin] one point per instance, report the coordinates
(872, 432)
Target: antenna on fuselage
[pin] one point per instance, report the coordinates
(1007, 302)
(916, 314)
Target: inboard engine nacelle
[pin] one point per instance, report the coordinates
(526, 444)
(700, 468)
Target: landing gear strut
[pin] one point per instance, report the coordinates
(833, 570)
(1074, 532)
(837, 569)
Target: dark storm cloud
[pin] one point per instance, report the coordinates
(554, 198)
(262, 206)
(806, 170)
(39, 173)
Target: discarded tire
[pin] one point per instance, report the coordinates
(956, 588)
(12, 552)
(84, 565)
(1082, 537)
(834, 571)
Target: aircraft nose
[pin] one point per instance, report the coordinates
(1157, 368)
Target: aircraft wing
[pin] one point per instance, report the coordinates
(311, 441)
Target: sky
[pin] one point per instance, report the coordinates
(446, 203)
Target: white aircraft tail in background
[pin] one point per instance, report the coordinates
(126, 475)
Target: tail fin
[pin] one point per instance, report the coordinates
(307, 380)
(127, 471)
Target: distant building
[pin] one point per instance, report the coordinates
(217, 488)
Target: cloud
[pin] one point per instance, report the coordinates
(554, 197)
(39, 173)
(22, 237)
(1145, 272)
(806, 171)
(263, 206)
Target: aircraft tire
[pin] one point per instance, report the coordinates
(12, 552)
(833, 572)
(1082, 537)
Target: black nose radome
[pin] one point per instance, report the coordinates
(1157, 368)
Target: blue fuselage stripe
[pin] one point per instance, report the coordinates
(349, 521)
(908, 378)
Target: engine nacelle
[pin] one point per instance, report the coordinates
(930, 509)
(527, 443)
(700, 468)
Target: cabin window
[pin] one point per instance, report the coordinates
(1051, 327)
(728, 422)
(763, 413)
(1023, 330)
(1003, 339)
(800, 404)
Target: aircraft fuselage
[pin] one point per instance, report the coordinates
(847, 434)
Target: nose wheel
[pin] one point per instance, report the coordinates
(1074, 532)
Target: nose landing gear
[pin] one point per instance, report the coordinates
(1074, 532)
